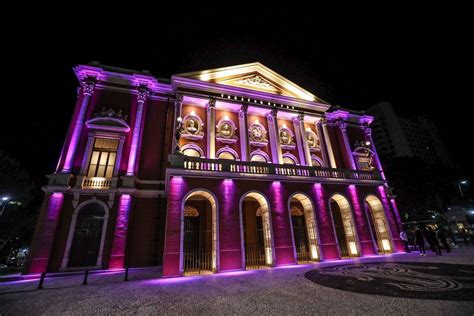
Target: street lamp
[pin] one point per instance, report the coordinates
(4, 202)
(460, 188)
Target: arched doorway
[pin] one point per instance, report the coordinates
(305, 235)
(379, 224)
(257, 231)
(199, 233)
(89, 232)
(344, 226)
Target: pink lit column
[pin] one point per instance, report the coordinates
(307, 153)
(347, 146)
(327, 239)
(117, 257)
(282, 239)
(43, 240)
(141, 98)
(392, 220)
(363, 230)
(299, 141)
(275, 147)
(327, 143)
(211, 129)
(244, 139)
(87, 91)
(178, 104)
(368, 137)
(230, 246)
(173, 242)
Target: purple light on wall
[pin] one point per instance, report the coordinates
(391, 214)
(55, 203)
(328, 245)
(117, 256)
(395, 210)
(363, 231)
(282, 238)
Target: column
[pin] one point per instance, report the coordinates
(277, 157)
(327, 141)
(119, 243)
(324, 153)
(307, 153)
(244, 139)
(43, 239)
(87, 91)
(368, 137)
(347, 146)
(299, 141)
(211, 129)
(141, 98)
(178, 105)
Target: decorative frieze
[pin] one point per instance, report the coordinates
(192, 127)
(226, 130)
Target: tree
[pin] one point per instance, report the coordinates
(19, 217)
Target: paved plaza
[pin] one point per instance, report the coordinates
(395, 284)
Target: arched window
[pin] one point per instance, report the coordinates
(226, 155)
(258, 158)
(191, 152)
(288, 161)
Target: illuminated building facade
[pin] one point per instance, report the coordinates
(226, 169)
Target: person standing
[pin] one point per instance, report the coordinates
(443, 239)
(433, 241)
(404, 238)
(420, 241)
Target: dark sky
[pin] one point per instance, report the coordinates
(417, 60)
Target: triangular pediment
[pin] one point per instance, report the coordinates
(254, 76)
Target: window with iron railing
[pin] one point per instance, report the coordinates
(103, 158)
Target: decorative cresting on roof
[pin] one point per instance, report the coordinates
(256, 81)
(109, 120)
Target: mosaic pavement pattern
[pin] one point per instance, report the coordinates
(429, 281)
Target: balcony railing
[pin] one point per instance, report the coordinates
(96, 183)
(262, 168)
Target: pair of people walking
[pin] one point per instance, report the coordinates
(433, 240)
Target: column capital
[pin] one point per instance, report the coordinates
(212, 103)
(342, 125)
(88, 86)
(367, 130)
(142, 93)
(179, 98)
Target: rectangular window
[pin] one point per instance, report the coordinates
(103, 157)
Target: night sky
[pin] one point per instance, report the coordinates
(415, 59)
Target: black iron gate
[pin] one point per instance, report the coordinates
(300, 234)
(197, 246)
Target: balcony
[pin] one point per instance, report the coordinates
(97, 183)
(243, 168)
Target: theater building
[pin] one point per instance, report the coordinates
(218, 170)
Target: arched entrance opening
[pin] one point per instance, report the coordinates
(304, 228)
(257, 231)
(88, 236)
(380, 229)
(344, 226)
(199, 233)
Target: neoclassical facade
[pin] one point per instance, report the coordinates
(218, 170)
